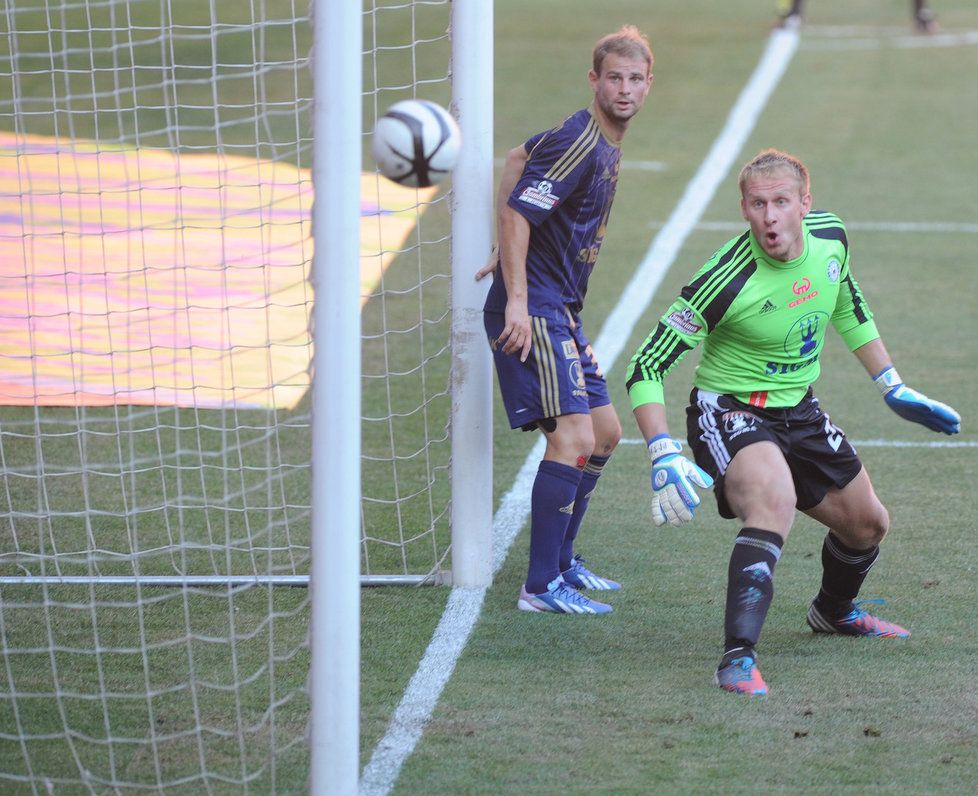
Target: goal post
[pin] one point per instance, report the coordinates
(334, 635)
(471, 474)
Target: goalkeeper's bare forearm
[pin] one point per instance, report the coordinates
(651, 419)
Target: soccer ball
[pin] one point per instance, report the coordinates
(416, 143)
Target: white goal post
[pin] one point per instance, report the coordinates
(184, 431)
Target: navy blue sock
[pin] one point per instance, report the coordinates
(592, 471)
(750, 586)
(551, 507)
(843, 572)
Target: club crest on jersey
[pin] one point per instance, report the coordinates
(684, 321)
(576, 372)
(738, 422)
(540, 195)
(805, 336)
(833, 270)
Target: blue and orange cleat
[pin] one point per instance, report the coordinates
(738, 673)
(855, 623)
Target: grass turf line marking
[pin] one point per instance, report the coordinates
(893, 443)
(835, 38)
(464, 605)
(875, 443)
(860, 226)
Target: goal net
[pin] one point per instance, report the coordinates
(155, 372)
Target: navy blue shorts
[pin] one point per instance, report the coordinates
(818, 453)
(560, 376)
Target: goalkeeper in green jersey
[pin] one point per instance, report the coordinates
(761, 307)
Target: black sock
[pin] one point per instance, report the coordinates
(843, 572)
(750, 586)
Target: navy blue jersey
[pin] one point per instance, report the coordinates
(565, 193)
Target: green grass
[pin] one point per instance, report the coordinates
(538, 704)
(625, 704)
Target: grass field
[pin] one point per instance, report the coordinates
(194, 687)
(625, 703)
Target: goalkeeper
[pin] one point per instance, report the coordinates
(761, 307)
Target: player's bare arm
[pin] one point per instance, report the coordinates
(873, 356)
(512, 171)
(514, 240)
(651, 419)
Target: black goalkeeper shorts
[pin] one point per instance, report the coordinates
(818, 453)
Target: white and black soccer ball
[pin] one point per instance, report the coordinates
(416, 143)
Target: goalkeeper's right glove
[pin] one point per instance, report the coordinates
(673, 477)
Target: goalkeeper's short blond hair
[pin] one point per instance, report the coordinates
(773, 161)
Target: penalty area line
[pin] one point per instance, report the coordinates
(465, 605)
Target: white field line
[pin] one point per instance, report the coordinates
(464, 605)
(854, 38)
(875, 443)
(643, 165)
(947, 227)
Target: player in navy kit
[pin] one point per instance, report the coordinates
(761, 306)
(555, 197)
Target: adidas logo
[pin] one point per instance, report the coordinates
(768, 307)
(568, 509)
(759, 571)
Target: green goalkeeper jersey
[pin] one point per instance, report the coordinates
(762, 322)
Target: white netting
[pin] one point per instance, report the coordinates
(155, 311)
(406, 321)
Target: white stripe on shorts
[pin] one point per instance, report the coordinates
(708, 403)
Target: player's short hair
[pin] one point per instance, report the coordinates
(771, 161)
(627, 42)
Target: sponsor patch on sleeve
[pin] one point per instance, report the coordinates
(540, 195)
(684, 321)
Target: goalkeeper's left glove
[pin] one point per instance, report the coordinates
(915, 406)
(673, 477)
